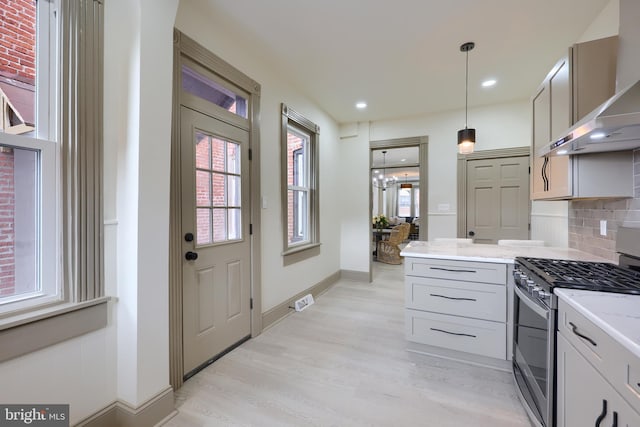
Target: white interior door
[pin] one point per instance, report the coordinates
(216, 282)
(498, 199)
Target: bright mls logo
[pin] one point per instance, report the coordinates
(34, 415)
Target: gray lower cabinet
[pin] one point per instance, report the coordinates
(595, 380)
(457, 305)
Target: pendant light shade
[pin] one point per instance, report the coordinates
(466, 136)
(406, 184)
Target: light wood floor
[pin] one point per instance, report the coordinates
(342, 362)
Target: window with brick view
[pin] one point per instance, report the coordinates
(18, 166)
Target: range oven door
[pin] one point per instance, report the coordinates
(534, 356)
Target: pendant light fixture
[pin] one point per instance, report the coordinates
(466, 136)
(406, 184)
(381, 181)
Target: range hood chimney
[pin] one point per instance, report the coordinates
(614, 125)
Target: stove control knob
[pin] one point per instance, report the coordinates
(530, 284)
(544, 295)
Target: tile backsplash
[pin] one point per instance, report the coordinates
(585, 217)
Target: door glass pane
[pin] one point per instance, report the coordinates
(203, 220)
(233, 158)
(19, 212)
(209, 90)
(203, 188)
(416, 202)
(219, 191)
(219, 225)
(218, 186)
(218, 147)
(234, 224)
(233, 191)
(203, 146)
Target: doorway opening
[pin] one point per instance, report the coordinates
(398, 197)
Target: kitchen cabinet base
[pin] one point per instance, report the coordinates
(460, 356)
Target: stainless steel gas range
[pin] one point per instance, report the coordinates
(535, 311)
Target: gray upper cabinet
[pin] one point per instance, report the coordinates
(576, 85)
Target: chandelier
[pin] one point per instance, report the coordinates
(380, 179)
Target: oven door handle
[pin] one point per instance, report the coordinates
(533, 306)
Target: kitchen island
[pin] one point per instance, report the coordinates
(459, 298)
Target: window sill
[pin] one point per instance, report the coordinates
(297, 254)
(32, 331)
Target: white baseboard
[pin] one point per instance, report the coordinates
(154, 411)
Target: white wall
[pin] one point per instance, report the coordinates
(138, 87)
(355, 227)
(278, 282)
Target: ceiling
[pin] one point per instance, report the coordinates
(403, 57)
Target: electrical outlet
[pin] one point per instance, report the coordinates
(603, 227)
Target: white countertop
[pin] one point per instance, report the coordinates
(617, 314)
(491, 253)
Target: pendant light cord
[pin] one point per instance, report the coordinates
(466, 94)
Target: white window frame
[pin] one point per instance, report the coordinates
(294, 122)
(69, 133)
(50, 286)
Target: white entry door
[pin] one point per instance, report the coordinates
(216, 282)
(498, 199)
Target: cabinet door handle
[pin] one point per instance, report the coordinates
(452, 333)
(545, 179)
(452, 270)
(615, 419)
(603, 414)
(454, 298)
(574, 329)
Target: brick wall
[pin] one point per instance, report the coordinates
(7, 213)
(18, 38)
(585, 216)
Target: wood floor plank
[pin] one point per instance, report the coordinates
(343, 362)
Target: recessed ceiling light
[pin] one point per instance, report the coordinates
(361, 105)
(403, 160)
(562, 152)
(598, 135)
(489, 83)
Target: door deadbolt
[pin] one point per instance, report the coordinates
(188, 237)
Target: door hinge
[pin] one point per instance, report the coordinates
(529, 170)
(250, 154)
(529, 226)
(251, 303)
(250, 229)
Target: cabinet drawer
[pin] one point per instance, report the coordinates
(631, 384)
(591, 341)
(457, 270)
(469, 299)
(457, 333)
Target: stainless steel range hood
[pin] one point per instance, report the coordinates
(613, 126)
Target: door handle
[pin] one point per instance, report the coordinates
(191, 256)
(472, 233)
(615, 419)
(603, 414)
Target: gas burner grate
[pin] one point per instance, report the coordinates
(596, 276)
